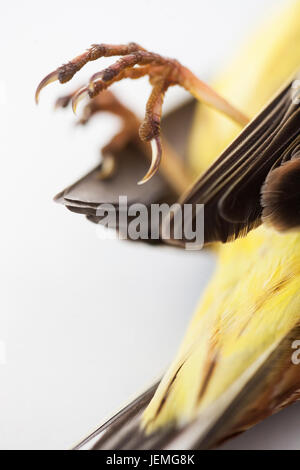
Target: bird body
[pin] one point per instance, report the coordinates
(235, 365)
(251, 308)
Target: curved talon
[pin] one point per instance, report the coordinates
(51, 77)
(94, 78)
(81, 94)
(156, 157)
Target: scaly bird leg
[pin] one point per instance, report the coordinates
(135, 63)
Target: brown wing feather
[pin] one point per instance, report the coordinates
(231, 188)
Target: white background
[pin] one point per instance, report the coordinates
(87, 324)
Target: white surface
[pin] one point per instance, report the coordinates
(82, 333)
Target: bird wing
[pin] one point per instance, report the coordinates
(89, 192)
(230, 189)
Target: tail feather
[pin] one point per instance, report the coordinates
(114, 428)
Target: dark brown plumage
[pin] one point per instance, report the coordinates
(281, 197)
(231, 188)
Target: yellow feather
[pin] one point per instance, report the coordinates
(257, 72)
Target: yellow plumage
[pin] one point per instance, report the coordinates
(257, 72)
(253, 301)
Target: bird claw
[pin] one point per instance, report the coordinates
(156, 157)
(80, 95)
(136, 62)
(51, 77)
